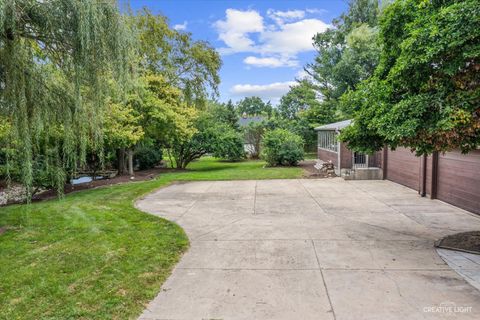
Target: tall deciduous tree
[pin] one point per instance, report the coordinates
(301, 110)
(252, 106)
(225, 113)
(426, 91)
(347, 53)
(189, 65)
(122, 131)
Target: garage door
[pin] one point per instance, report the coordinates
(459, 179)
(403, 167)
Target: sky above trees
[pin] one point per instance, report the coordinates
(264, 44)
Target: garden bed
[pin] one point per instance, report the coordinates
(69, 188)
(465, 241)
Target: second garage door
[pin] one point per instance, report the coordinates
(459, 179)
(404, 168)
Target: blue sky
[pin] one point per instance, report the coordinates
(264, 44)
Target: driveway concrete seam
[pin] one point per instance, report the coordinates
(385, 203)
(316, 255)
(326, 269)
(255, 199)
(217, 229)
(249, 269)
(323, 280)
(308, 239)
(386, 269)
(193, 204)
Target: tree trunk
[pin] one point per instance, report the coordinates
(130, 162)
(121, 161)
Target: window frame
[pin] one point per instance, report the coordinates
(327, 140)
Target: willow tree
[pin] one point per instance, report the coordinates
(54, 58)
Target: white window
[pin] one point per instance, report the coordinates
(327, 140)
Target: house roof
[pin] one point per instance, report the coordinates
(335, 126)
(244, 121)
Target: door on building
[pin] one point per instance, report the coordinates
(360, 160)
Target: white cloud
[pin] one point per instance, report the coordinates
(234, 30)
(278, 43)
(181, 27)
(315, 11)
(272, 91)
(292, 38)
(281, 16)
(270, 62)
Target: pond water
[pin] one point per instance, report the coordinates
(84, 180)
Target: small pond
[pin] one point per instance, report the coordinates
(84, 180)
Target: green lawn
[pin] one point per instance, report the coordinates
(92, 255)
(311, 156)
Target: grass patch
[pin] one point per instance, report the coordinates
(92, 255)
(311, 156)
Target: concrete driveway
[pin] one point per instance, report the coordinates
(310, 249)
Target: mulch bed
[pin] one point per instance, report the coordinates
(139, 176)
(465, 241)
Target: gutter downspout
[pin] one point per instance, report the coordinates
(339, 158)
(434, 187)
(385, 161)
(424, 176)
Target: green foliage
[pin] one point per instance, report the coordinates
(300, 98)
(165, 117)
(281, 147)
(122, 127)
(300, 111)
(54, 63)
(253, 133)
(425, 93)
(224, 113)
(229, 145)
(192, 66)
(254, 106)
(148, 155)
(202, 141)
(346, 54)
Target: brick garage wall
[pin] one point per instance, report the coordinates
(326, 155)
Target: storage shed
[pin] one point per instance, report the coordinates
(348, 164)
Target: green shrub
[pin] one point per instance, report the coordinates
(148, 156)
(281, 147)
(229, 145)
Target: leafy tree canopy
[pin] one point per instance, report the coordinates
(425, 93)
(225, 113)
(301, 110)
(189, 65)
(346, 53)
(254, 106)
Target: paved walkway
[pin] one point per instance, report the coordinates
(466, 264)
(310, 249)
